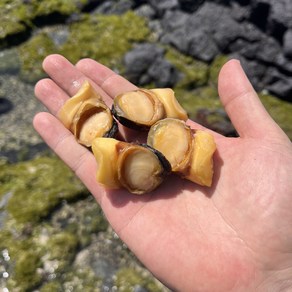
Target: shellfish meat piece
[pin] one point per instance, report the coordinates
(106, 155)
(138, 109)
(174, 139)
(171, 105)
(87, 116)
(189, 152)
(141, 108)
(138, 168)
(93, 119)
(71, 106)
(201, 164)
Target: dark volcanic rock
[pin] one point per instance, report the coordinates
(279, 84)
(287, 43)
(164, 5)
(145, 64)
(201, 45)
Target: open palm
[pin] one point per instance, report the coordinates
(235, 236)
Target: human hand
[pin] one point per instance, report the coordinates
(234, 236)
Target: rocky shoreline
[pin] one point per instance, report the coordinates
(53, 235)
(258, 32)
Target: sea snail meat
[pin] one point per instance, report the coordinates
(190, 153)
(138, 168)
(87, 116)
(141, 108)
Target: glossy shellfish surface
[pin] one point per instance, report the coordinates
(87, 116)
(138, 168)
(174, 139)
(172, 146)
(190, 153)
(141, 108)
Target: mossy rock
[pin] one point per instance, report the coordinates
(105, 38)
(17, 16)
(202, 97)
(195, 72)
(24, 258)
(32, 54)
(215, 68)
(280, 111)
(64, 7)
(127, 279)
(37, 187)
(25, 272)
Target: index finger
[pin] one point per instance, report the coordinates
(114, 84)
(108, 80)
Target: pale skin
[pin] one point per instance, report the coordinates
(234, 236)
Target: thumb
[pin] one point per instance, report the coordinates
(243, 105)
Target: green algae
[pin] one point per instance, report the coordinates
(65, 7)
(280, 110)
(62, 246)
(215, 68)
(195, 72)
(105, 38)
(17, 16)
(38, 186)
(24, 258)
(25, 271)
(32, 54)
(40, 245)
(127, 278)
(74, 280)
(199, 98)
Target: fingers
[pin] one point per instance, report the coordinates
(242, 104)
(112, 83)
(63, 143)
(51, 95)
(67, 77)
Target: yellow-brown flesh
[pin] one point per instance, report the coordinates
(72, 105)
(201, 164)
(139, 170)
(173, 138)
(106, 155)
(94, 122)
(140, 106)
(171, 105)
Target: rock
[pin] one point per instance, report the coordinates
(190, 5)
(173, 20)
(17, 135)
(282, 62)
(163, 73)
(287, 43)
(146, 64)
(239, 12)
(164, 5)
(138, 60)
(114, 7)
(59, 34)
(281, 13)
(178, 38)
(201, 45)
(146, 11)
(9, 61)
(254, 70)
(5, 105)
(279, 84)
